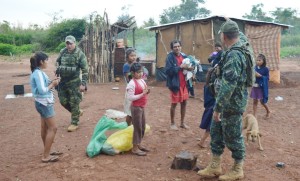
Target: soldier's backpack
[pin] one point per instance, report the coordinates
(214, 75)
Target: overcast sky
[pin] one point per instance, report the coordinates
(25, 12)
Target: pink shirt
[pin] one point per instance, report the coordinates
(135, 92)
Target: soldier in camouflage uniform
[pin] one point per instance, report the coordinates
(231, 102)
(69, 64)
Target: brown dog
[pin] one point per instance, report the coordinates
(251, 125)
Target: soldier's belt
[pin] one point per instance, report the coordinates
(227, 114)
(67, 69)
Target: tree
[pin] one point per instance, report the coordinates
(287, 16)
(188, 9)
(258, 14)
(56, 17)
(149, 22)
(284, 15)
(5, 27)
(58, 32)
(125, 15)
(170, 15)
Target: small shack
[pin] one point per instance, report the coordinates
(103, 45)
(199, 35)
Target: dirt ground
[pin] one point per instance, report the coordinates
(21, 144)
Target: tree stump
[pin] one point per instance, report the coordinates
(184, 160)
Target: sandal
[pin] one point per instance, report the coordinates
(143, 148)
(202, 146)
(56, 153)
(184, 126)
(173, 127)
(139, 152)
(50, 159)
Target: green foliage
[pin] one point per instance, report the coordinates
(280, 15)
(7, 49)
(5, 27)
(188, 9)
(149, 22)
(60, 46)
(59, 31)
(144, 42)
(6, 38)
(258, 14)
(290, 40)
(290, 51)
(284, 15)
(287, 16)
(125, 15)
(21, 39)
(170, 15)
(39, 38)
(26, 48)
(16, 39)
(290, 45)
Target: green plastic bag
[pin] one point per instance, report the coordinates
(99, 138)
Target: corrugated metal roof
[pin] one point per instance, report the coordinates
(212, 17)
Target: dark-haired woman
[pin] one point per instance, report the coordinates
(176, 82)
(41, 88)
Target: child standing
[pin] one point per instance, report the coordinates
(145, 70)
(42, 89)
(130, 57)
(215, 57)
(209, 103)
(260, 89)
(137, 93)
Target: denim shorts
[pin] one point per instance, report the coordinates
(45, 111)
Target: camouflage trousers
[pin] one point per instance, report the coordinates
(70, 99)
(228, 132)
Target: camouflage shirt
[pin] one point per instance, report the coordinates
(232, 96)
(69, 66)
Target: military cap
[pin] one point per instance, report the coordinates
(229, 27)
(70, 39)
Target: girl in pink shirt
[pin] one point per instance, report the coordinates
(137, 92)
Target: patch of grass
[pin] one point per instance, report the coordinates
(290, 51)
(14, 58)
(290, 40)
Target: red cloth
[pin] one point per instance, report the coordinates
(182, 81)
(138, 90)
(182, 94)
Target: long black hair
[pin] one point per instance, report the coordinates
(135, 67)
(36, 59)
(263, 57)
(128, 52)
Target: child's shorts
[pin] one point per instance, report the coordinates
(206, 119)
(45, 111)
(256, 93)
